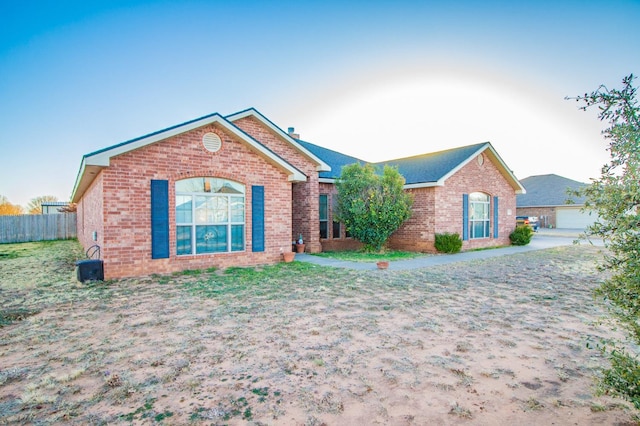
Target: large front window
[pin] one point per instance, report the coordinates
(209, 216)
(479, 215)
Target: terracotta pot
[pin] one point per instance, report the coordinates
(383, 264)
(288, 256)
(299, 248)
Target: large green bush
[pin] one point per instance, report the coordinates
(448, 243)
(372, 206)
(521, 236)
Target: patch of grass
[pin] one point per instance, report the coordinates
(362, 256)
(263, 281)
(532, 404)
(8, 254)
(464, 379)
(486, 248)
(9, 316)
(191, 272)
(30, 265)
(460, 411)
(264, 345)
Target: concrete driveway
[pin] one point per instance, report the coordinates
(543, 239)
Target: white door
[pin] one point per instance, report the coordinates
(573, 218)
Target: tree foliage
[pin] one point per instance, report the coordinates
(615, 196)
(35, 205)
(372, 206)
(6, 208)
(69, 208)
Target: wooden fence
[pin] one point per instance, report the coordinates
(37, 227)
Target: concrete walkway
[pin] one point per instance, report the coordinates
(543, 239)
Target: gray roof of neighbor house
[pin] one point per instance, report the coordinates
(548, 190)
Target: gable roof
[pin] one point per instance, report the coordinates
(434, 168)
(548, 191)
(321, 165)
(93, 162)
(421, 171)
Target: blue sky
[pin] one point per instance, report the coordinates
(373, 79)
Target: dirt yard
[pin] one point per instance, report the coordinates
(497, 342)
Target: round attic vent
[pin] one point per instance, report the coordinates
(211, 142)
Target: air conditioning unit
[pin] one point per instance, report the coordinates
(90, 270)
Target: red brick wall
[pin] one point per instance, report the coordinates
(305, 208)
(90, 215)
(418, 232)
(335, 242)
(125, 239)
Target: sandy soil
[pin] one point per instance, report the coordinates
(497, 342)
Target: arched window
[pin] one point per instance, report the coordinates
(209, 216)
(479, 215)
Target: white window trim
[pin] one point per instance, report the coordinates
(486, 221)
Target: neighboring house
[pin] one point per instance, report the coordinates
(53, 207)
(236, 190)
(547, 198)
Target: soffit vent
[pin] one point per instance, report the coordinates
(211, 142)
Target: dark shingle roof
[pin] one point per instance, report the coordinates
(148, 135)
(548, 190)
(434, 166)
(423, 168)
(334, 159)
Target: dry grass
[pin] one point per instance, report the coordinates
(497, 341)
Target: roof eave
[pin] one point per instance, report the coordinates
(93, 163)
(497, 160)
(321, 166)
(85, 178)
(424, 184)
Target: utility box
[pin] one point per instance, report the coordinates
(90, 270)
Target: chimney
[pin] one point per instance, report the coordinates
(292, 132)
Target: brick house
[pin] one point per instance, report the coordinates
(548, 200)
(469, 191)
(236, 190)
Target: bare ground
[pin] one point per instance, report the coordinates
(496, 342)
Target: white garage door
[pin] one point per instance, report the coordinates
(573, 218)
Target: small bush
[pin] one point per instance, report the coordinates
(622, 378)
(521, 236)
(448, 243)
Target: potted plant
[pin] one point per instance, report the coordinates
(300, 245)
(288, 256)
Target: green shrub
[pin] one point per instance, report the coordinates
(448, 243)
(622, 378)
(521, 236)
